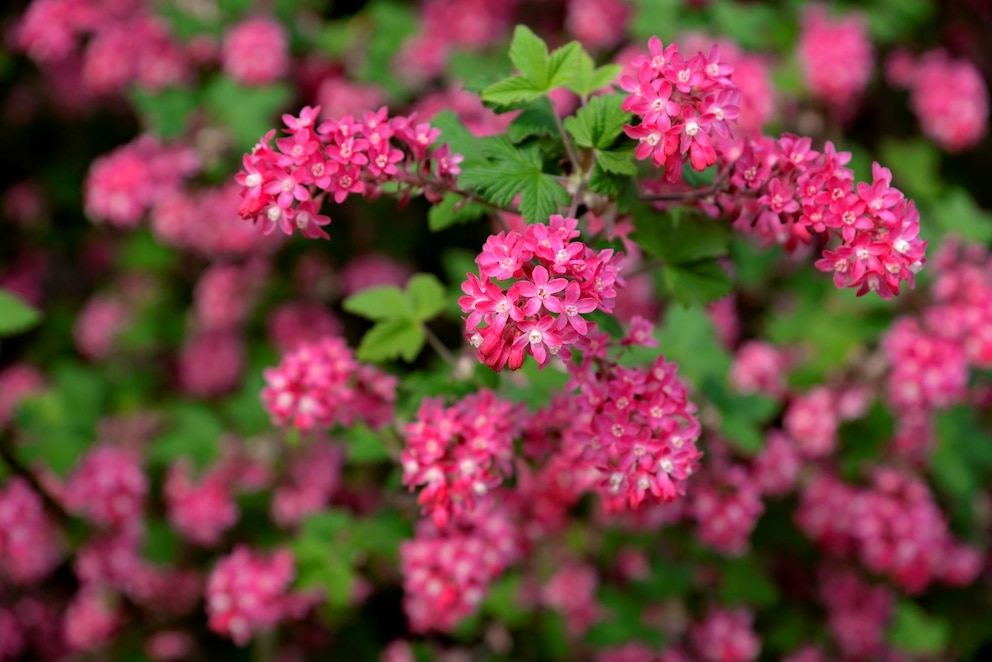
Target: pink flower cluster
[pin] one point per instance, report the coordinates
(459, 454)
(199, 510)
(635, 426)
(29, 540)
(98, 325)
(857, 613)
(571, 591)
(211, 363)
(555, 281)
(109, 567)
(446, 574)
(760, 367)
(599, 24)
(930, 355)
(225, 293)
(321, 384)
(784, 191)
(178, 220)
(284, 187)
(446, 25)
(726, 505)
(312, 479)
(835, 57)
(948, 96)
(894, 527)
(758, 101)
(248, 592)
(726, 636)
(17, 383)
(682, 105)
(124, 43)
(123, 185)
(108, 487)
(256, 51)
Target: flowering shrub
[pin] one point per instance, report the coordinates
(642, 332)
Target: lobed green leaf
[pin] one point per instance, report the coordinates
(378, 303)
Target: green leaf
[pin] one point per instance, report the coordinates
(247, 111)
(364, 445)
(679, 236)
(651, 16)
(516, 170)
(698, 282)
(957, 213)
(503, 602)
(512, 90)
(391, 339)
(961, 461)
(426, 295)
(615, 186)
(142, 252)
(745, 581)
(598, 123)
(454, 210)
(752, 25)
(164, 112)
(390, 24)
(460, 139)
(589, 79)
(535, 120)
(194, 433)
(915, 166)
(53, 439)
(742, 417)
(539, 72)
(864, 440)
(617, 162)
(916, 632)
(16, 315)
(563, 64)
(688, 338)
(378, 303)
(529, 55)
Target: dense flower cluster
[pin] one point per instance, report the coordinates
(857, 613)
(108, 487)
(555, 281)
(29, 539)
(457, 455)
(202, 510)
(635, 426)
(726, 509)
(894, 527)
(312, 479)
(248, 592)
(320, 385)
(726, 636)
(178, 220)
(123, 185)
(446, 574)
(284, 187)
(446, 25)
(256, 51)
(835, 56)
(682, 106)
(124, 43)
(784, 191)
(948, 95)
(597, 23)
